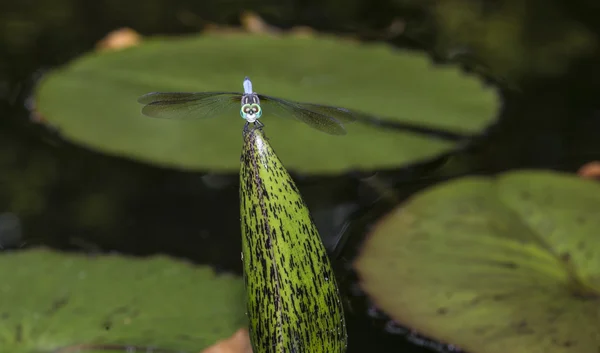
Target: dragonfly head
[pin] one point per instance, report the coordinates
(251, 112)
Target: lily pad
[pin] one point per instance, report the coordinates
(92, 101)
(506, 264)
(51, 300)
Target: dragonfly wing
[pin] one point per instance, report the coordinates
(182, 105)
(307, 113)
(169, 96)
(342, 115)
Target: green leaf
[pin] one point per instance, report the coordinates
(50, 300)
(294, 303)
(93, 101)
(506, 264)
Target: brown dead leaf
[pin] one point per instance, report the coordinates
(590, 170)
(119, 39)
(250, 23)
(239, 342)
(253, 23)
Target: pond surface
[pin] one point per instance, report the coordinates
(60, 195)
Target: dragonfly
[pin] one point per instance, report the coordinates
(198, 105)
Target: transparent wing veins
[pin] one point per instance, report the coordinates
(182, 105)
(326, 118)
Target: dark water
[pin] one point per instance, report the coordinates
(147, 210)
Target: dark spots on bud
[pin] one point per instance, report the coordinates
(293, 301)
(19, 333)
(499, 297)
(58, 304)
(508, 264)
(441, 311)
(522, 328)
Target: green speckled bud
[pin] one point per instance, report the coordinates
(293, 302)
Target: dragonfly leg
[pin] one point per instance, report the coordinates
(256, 125)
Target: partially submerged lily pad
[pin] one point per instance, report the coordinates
(52, 300)
(93, 101)
(506, 264)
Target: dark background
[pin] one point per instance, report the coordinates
(74, 199)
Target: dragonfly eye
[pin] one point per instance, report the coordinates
(257, 110)
(246, 109)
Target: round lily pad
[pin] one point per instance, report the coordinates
(493, 265)
(50, 301)
(93, 101)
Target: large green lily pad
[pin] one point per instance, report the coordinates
(506, 264)
(93, 101)
(50, 300)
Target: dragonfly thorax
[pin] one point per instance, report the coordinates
(251, 110)
(250, 99)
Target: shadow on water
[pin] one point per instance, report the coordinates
(67, 197)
